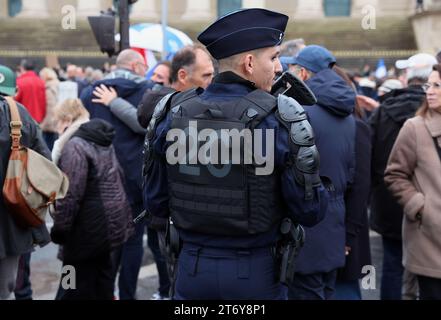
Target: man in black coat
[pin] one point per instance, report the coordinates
(386, 214)
(129, 82)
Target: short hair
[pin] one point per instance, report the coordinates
(70, 109)
(232, 62)
(48, 74)
(96, 75)
(126, 57)
(290, 48)
(438, 57)
(184, 58)
(309, 72)
(168, 65)
(28, 65)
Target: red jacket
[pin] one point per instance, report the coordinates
(32, 94)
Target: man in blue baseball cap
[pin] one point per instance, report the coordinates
(228, 213)
(313, 59)
(332, 121)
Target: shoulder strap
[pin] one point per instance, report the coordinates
(265, 104)
(181, 97)
(262, 99)
(15, 123)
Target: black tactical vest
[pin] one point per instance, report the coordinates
(222, 199)
(228, 198)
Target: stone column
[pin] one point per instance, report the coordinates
(253, 3)
(87, 8)
(308, 9)
(145, 9)
(433, 5)
(4, 8)
(198, 10)
(34, 9)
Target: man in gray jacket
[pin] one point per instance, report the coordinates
(15, 240)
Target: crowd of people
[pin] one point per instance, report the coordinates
(378, 142)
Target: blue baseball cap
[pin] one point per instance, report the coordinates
(287, 60)
(242, 31)
(315, 58)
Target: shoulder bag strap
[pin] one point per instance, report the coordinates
(15, 123)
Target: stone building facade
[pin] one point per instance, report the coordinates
(206, 10)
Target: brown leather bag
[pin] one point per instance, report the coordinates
(32, 182)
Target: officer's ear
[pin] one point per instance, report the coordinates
(303, 74)
(249, 63)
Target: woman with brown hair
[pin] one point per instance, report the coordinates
(412, 176)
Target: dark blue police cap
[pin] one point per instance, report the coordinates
(242, 31)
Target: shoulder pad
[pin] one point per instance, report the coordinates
(301, 133)
(289, 109)
(160, 108)
(158, 114)
(186, 95)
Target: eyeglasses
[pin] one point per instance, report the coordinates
(436, 85)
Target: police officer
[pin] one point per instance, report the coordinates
(228, 212)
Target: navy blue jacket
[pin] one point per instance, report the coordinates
(128, 144)
(334, 129)
(305, 212)
(356, 198)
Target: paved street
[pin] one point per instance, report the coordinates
(46, 270)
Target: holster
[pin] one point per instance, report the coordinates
(173, 247)
(287, 249)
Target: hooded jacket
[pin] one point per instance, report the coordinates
(334, 130)
(386, 122)
(95, 216)
(128, 144)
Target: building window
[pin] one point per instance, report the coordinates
(337, 8)
(14, 7)
(227, 6)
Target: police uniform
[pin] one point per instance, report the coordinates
(228, 216)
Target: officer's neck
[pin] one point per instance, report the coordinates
(231, 76)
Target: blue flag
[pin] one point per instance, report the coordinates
(381, 71)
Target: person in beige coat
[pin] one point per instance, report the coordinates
(413, 175)
(48, 125)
